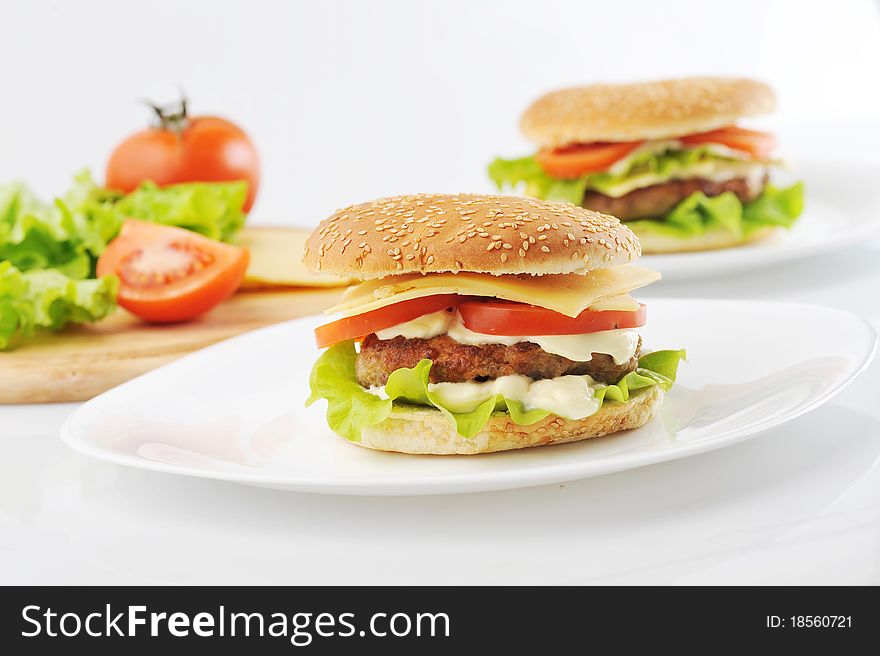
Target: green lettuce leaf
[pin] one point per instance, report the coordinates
(209, 208)
(47, 299)
(35, 235)
(511, 173)
(70, 234)
(350, 407)
(698, 213)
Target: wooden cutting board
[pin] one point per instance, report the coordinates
(83, 361)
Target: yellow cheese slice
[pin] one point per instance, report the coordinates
(568, 294)
(275, 260)
(622, 302)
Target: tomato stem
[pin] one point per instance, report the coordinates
(173, 116)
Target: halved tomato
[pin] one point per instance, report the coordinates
(495, 317)
(361, 325)
(571, 162)
(755, 143)
(170, 274)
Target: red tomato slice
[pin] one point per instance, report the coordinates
(170, 274)
(507, 318)
(757, 144)
(571, 162)
(369, 322)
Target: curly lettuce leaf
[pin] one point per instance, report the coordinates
(69, 234)
(213, 209)
(35, 235)
(47, 299)
(350, 407)
(511, 173)
(698, 213)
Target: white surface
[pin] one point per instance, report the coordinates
(250, 426)
(800, 504)
(840, 210)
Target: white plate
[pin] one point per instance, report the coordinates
(842, 208)
(234, 411)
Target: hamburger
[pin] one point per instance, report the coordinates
(482, 323)
(667, 158)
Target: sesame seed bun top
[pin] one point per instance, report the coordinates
(433, 233)
(645, 110)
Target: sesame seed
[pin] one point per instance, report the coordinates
(545, 249)
(504, 257)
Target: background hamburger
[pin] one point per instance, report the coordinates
(666, 157)
(484, 323)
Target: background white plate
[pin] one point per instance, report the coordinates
(234, 411)
(842, 208)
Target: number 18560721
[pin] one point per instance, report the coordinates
(809, 622)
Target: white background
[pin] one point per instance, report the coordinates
(352, 100)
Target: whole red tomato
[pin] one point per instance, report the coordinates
(185, 148)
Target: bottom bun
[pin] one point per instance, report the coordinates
(415, 429)
(652, 243)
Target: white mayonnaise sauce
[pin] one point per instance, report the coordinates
(572, 397)
(620, 344)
